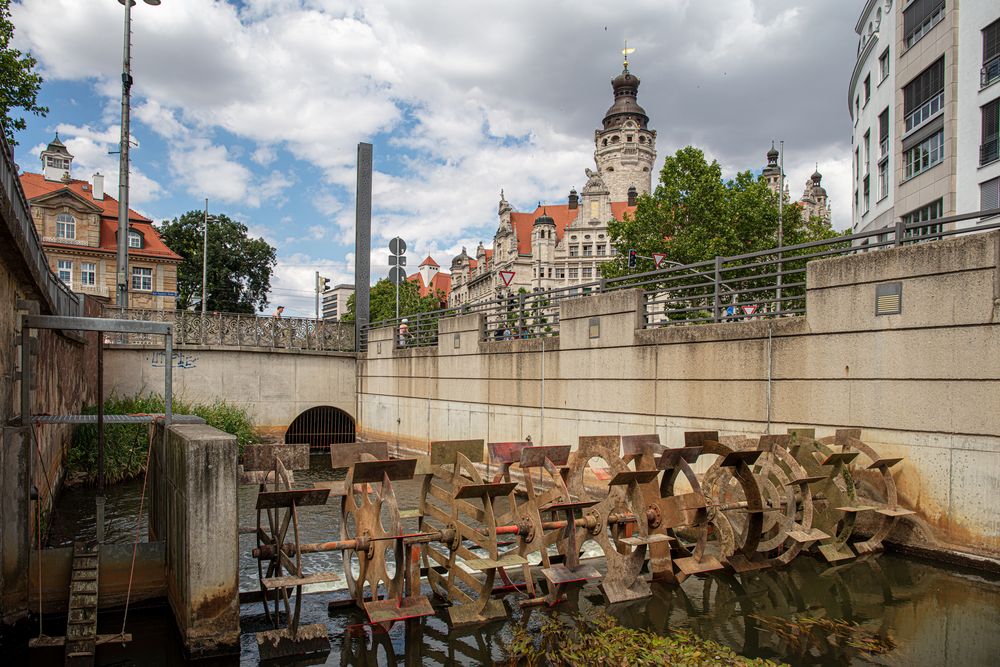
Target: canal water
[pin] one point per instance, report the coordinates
(928, 614)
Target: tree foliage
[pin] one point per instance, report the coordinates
(383, 301)
(694, 215)
(239, 267)
(19, 83)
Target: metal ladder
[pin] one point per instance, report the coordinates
(81, 624)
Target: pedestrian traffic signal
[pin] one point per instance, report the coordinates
(631, 259)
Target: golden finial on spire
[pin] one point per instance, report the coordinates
(627, 52)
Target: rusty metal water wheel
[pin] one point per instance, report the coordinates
(272, 531)
(369, 514)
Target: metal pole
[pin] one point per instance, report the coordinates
(100, 438)
(316, 287)
(204, 260)
(362, 243)
(121, 268)
(716, 302)
(397, 299)
(781, 226)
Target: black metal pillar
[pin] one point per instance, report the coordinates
(362, 243)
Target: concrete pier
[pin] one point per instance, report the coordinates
(194, 510)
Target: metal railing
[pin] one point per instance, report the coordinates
(25, 242)
(240, 330)
(764, 284)
(990, 72)
(989, 151)
(918, 116)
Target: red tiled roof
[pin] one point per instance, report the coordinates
(36, 186)
(473, 263)
(429, 262)
(440, 281)
(561, 214)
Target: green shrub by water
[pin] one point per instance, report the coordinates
(599, 640)
(125, 445)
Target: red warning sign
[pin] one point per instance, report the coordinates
(507, 277)
(749, 310)
(658, 258)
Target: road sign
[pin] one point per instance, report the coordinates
(397, 260)
(750, 310)
(658, 258)
(507, 277)
(397, 275)
(164, 293)
(397, 246)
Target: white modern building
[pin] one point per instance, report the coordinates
(923, 98)
(335, 301)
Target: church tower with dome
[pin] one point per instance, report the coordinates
(625, 148)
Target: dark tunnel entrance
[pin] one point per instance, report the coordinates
(321, 427)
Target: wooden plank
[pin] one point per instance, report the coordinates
(695, 438)
(444, 452)
(307, 640)
(55, 642)
(506, 452)
(692, 565)
(894, 511)
(301, 497)
(884, 463)
(568, 506)
(392, 609)
(372, 472)
(534, 457)
(637, 540)
(343, 455)
(832, 553)
(291, 580)
(560, 574)
(485, 490)
(626, 477)
(508, 560)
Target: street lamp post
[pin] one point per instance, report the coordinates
(204, 260)
(121, 268)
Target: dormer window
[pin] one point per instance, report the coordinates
(65, 226)
(134, 239)
(57, 162)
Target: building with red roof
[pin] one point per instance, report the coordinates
(78, 225)
(564, 244)
(430, 280)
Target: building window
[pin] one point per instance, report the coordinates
(56, 162)
(65, 226)
(991, 54)
(868, 88)
(883, 133)
(134, 239)
(919, 18)
(883, 178)
(600, 250)
(922, 215)
(924, 155)
(857, 163)
(550, 273)
(572, 273)
(88, 274)
(560, 273)
(868, 147)
(142, 279)
(924, 96)
(857, 107)
(65, 269)
(883, 66)
(989, 195)
(988, 149)
(867, 193)
(588, 273)
(588, 250)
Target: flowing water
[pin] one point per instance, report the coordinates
(933, 615)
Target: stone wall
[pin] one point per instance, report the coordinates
(924, 384)
(273, 384)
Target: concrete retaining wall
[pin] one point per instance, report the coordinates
(274, 385)
(924, 384)
(193, 509)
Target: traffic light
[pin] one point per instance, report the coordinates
(324, 284)
(631, 259)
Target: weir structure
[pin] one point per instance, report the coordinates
(629, 500)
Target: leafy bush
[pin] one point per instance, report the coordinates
(125, 445)
(599, 640)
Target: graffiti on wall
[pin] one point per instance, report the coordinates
(178, 360)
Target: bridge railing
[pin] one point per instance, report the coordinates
(764, 284)
(239, 330)
(25, 245)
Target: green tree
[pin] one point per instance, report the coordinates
(239, 267)
(383, 301)
(694, 215)
(19, 83)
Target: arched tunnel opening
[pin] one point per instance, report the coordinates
(321, 427)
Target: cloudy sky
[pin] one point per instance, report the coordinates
(259, 105)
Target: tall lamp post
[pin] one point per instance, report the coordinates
(204, 260)
(121, 268)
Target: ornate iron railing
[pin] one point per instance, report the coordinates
(240, 330)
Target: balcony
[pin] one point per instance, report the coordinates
(921, 114)
(990, 72)
(989, 151)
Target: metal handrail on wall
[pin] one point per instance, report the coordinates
(56, 297)
(240, 330)
(763, 284)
